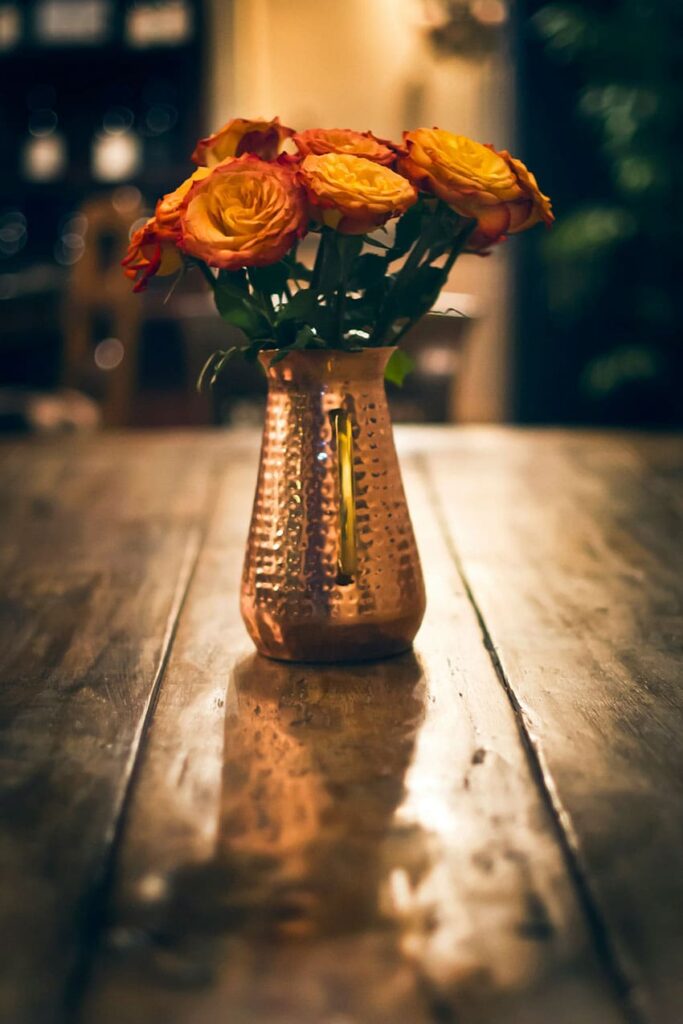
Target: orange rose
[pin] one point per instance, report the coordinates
(262, 138)
(246, 213)
(352, 194)
(343, 140)
(152, 250)
(477, 182)
(167, 212)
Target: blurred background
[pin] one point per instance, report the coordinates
(103, 101)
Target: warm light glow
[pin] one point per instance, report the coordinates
(44, 158)
(109, 354)
(10, 27)
(86, 22)
(166, 24)
(116, 157)
(489, 12)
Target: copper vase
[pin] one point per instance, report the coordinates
(331, 571)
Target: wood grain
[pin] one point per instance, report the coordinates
(97, 546)
(361, 843)
(485, 832)
(572, 546)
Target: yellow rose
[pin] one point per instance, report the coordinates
(476, 181)
(352, 194)
(260, 137)
(344, 140)
(245, 213)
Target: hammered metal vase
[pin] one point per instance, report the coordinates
(331, 571)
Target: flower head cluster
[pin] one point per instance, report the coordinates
(353, 194)
(246, 213)
(249, 201)
(477, 182)
(318, 141)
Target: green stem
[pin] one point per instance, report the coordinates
(264, 301)
(208, 275)
(458, 246)
(319, 257)
(413, 261)
(340, 310)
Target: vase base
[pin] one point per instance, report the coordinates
(341, 660)
(337, 644)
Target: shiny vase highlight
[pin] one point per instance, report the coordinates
(331, 571)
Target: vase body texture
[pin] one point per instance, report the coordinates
(331, 572)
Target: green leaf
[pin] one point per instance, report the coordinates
(368, 270)
(371, 240)
(399, 366)
(300, 306)
(251, 352)
(407, 230)
(298, 270)
(240, 312)
(234, 282)
(359, 313)
(247, 317)
(208, 365)
(219, 366)
(270, 280)
(279, 356)
(322, 319)
(307, 338)
(214, 365)
(419, 293)
(236, 306)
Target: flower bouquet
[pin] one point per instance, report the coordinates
(332, 571)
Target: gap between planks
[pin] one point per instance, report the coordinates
(624, 985)
(78, 981)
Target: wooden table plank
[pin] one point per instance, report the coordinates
(363, 843)
(572, 546)
(98, 543)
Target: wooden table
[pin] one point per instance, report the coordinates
(487, 831)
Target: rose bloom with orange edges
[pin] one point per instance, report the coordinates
(152, 250)
(352, 194)
(477, 182)
(260, 137)
(167, 212)
(254, 194)
(153, 247)
(319, 141)
(246, 213)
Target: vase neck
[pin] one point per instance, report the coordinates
(325, 367)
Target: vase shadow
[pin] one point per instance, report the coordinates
(285, 921)
(314, 767)
(313, 770)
